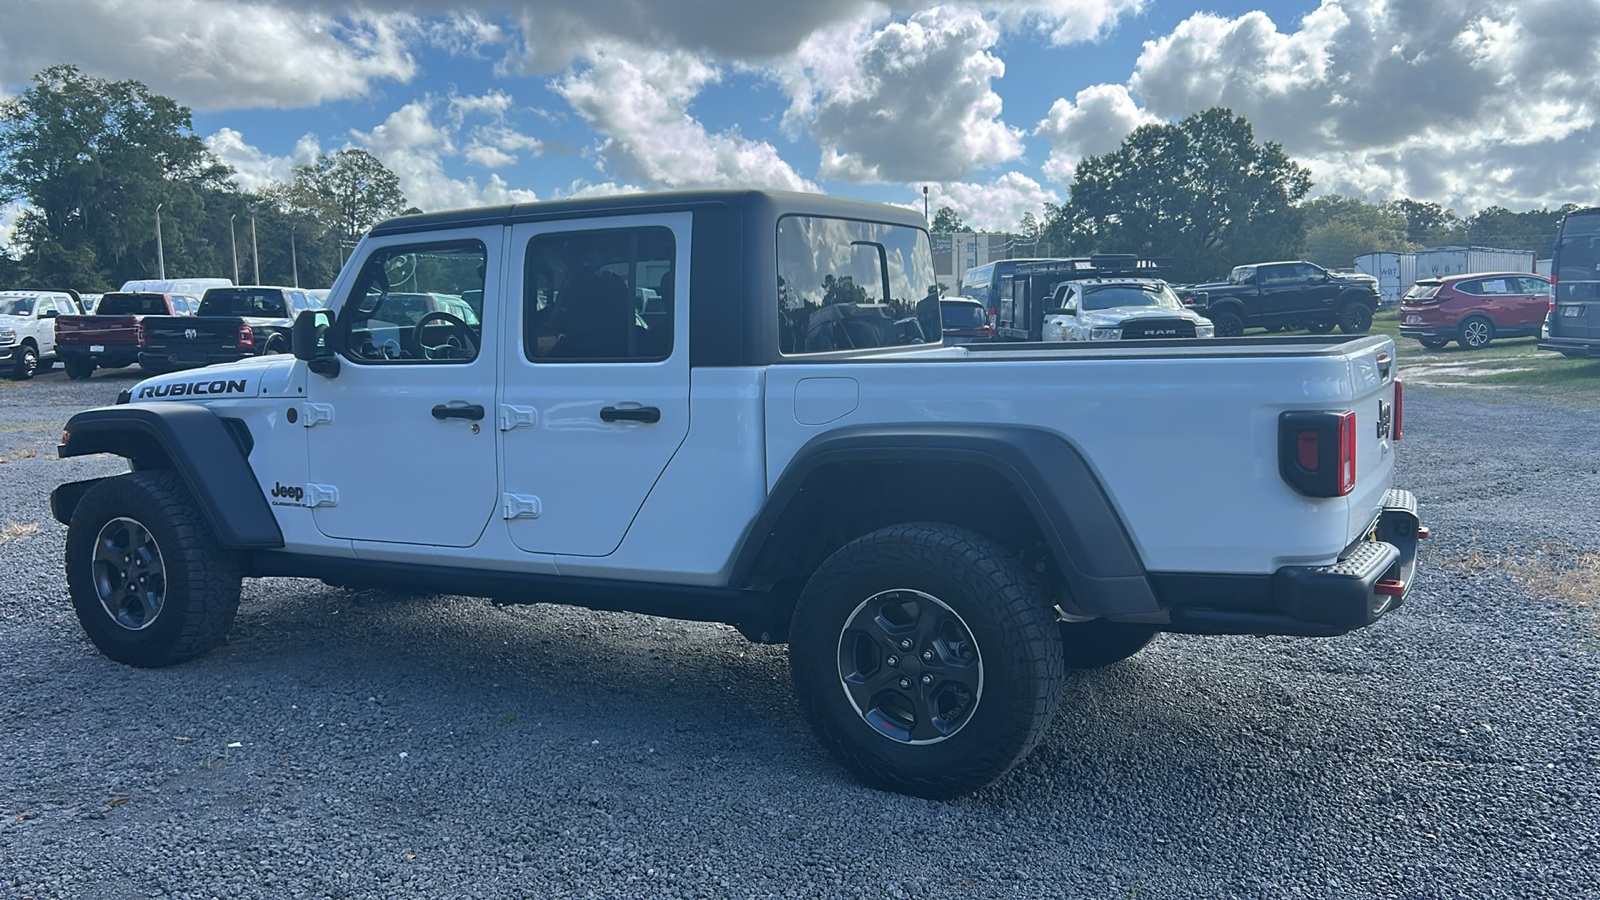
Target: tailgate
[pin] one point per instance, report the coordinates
(180, 334)
(1377, 402)
(101, 330)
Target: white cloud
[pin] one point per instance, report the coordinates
(253, 169)
(212, 54)
(1094, 122)
(1463, 103)
(906, 101)
(638, 101)
(413, 146)
(8, 225)
(995, 206)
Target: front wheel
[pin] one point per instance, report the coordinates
(1476, 333)
(1355, 318)
(1319, 327)
(148, 580)
(1433, 343)
(1227, 324)
(26, 363)
(926, 658)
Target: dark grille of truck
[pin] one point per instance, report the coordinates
(1157, 328)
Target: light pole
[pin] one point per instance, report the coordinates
(161, 256)
(294, 260)
(255, 255)
(925, 203)
(235, 239)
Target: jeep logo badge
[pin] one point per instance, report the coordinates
(190, 333)
(1385, 416)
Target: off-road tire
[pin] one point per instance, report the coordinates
(1226, 323)
(1098, 643)
(1320, 327)
(201, 580)
(1355, 317)
(26, 363)
(78, 369)
(1475, 333)
(1012, 628)
(1434, 343)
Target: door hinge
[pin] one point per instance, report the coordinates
(519, 506)
(517, 416)
(317, 414)
(321, 495)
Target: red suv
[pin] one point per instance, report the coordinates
(1473, 310)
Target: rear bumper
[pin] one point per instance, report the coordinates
(1572, 346)
(1428, 331)
(1371, 579)
(191, 359)
(109, 356)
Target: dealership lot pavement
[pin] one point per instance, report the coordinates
(365, 744)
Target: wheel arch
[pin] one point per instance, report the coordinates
(191, 440)
(1355, 295)
(1022, 487)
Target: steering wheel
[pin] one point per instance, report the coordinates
(469, 345)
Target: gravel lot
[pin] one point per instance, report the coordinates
(370, 745)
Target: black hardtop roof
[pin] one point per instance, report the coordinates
(778, 202)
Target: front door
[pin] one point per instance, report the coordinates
(407, 451)
(596, 376)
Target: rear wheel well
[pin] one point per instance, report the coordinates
(842, 502)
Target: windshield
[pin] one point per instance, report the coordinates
(16, 306)
(1106, 296)
(1423, 290)
(963, 315)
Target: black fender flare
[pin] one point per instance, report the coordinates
(196, 443)
(1070, 507)
(1356, 295)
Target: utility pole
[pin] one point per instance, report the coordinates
(255, 255)
(161, 256)
(235, 241)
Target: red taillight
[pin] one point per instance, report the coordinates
(985, 331)
(1399, 409)
(247, 337)
(1347, 453)
(1552, 292)
(139, 329)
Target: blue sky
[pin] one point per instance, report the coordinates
(990, 103)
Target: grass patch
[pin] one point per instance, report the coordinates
(1572, 372)
(1555, 571)
(16, 531)
(29, 426)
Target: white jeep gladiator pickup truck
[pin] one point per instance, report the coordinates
(703, 405)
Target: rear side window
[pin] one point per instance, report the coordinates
(599, 296)
(244, 302)
(849, 285)
(963, 315)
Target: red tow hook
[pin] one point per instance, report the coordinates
(1422, 532)
(1391, 587)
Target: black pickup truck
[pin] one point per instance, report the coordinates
(1282, 296)
(232, 323)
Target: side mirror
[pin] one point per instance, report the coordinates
(310, 340)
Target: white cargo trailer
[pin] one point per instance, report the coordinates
(1384, 265)
(1442, 262)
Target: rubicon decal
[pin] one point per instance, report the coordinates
(192, 389)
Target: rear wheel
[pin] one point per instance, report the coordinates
(1433, 343)
(78, 369)
(1355, 318)
(1319, 327)
(148, 580)
(1091, 645)
(926, 658)
(1227, 323)
(1475, 333)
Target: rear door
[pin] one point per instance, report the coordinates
(595, 374)
(1532, 301)
(1576, 272)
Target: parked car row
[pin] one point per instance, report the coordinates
(160, 325)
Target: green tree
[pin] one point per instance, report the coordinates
(1338, 229)
(91, 159)
(1532, 230)
(946, 220)
(349, 191)
(1429, 224)
(1201, 191)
